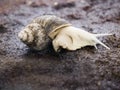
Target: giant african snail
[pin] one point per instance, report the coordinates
(62, 34)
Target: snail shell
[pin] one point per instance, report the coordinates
(39, 33)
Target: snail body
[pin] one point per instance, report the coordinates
(49, 28)
(72, 38)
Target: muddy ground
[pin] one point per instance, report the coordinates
(84, 69)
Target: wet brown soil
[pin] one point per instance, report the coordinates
(84, 69)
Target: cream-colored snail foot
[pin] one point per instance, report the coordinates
(72, 38)
(49, 28)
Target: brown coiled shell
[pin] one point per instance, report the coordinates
(51, 24)
(44, 29)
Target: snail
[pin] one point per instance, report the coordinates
(52, 29)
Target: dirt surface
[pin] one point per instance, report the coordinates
(84, 69)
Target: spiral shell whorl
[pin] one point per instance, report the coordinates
(51, 23)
